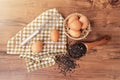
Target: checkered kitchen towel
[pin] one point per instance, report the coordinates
(47, 21)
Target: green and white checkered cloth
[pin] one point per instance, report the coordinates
(48, 20)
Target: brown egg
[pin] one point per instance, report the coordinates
(74, 33)
(75, 25)
(84, 20)
(54, 35)
(37, 46)
(72, 18)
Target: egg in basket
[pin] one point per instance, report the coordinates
(76, 26)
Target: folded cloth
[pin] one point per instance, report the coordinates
(47, 21)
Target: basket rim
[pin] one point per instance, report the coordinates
(78, 38)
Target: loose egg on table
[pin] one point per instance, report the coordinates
(37, 46)
(54, 35)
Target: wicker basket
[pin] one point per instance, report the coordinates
(84, 33)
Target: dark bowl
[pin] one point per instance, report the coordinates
(77, 50)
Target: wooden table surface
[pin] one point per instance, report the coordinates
(101, 62)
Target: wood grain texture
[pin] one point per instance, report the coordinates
(101, 62)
